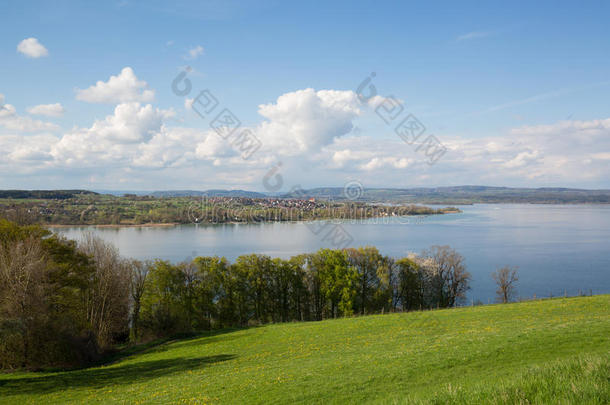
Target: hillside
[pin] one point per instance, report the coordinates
(45, 194)
(543, 351)
(208, 193)
(468, 195)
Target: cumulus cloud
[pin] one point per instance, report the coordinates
(27, 148)
(305, 120)
(110, 139)
(9, 119)
(49, 110)
(123, 88)
(131, 122)
(31, 48)
(179, 146)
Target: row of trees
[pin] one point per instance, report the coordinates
(210, 292)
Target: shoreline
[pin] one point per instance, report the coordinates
(151, 225)
(174, 224)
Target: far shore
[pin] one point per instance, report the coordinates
(150, 225)
(172, 224)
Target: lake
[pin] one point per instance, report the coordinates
(557, 248)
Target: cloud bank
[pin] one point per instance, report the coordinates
(312, 132)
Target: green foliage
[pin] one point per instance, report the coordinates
(164, 304)
(209, 292)
(411, 284)
(337, 281)
(371, 268)
(54, 307)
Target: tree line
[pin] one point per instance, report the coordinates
(211, 292)
(67, 303)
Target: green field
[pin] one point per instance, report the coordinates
(551, 351)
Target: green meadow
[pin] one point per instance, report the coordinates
(549, 351)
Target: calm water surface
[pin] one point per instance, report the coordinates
(556, 247)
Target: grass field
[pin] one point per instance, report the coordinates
(551, 351)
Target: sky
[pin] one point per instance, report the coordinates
(273, 95)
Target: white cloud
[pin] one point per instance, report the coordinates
(113, 139)
(305, 120)
(178, 147)
(311, 132)
(131, 122)
(195, 52)
(27, 148)
(562, 153)
(523, 159)
(391, 162)
(123, 88)
(49, 110)
(31, 48)
(169, 147)
(10, 120)
(213, 147)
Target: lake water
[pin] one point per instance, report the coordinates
(557, 248)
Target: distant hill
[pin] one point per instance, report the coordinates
(44, 194)
(208, 193)
(186, 193)
(465, 195)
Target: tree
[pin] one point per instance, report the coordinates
(506, 278)
(283, 281)
(447, 276)
(299, 295)
(107, 299)
(411, 284)
(163, 310)
(310, 300)
(337, 280)
(257, 272)
(22, 295)
(367, 262)
(139, 272)
(385, 297)
(215, 292)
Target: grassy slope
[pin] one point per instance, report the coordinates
(545, 351)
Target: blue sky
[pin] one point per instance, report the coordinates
(517, 93)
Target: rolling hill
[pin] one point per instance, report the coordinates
(548, 351)
(466, 195)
